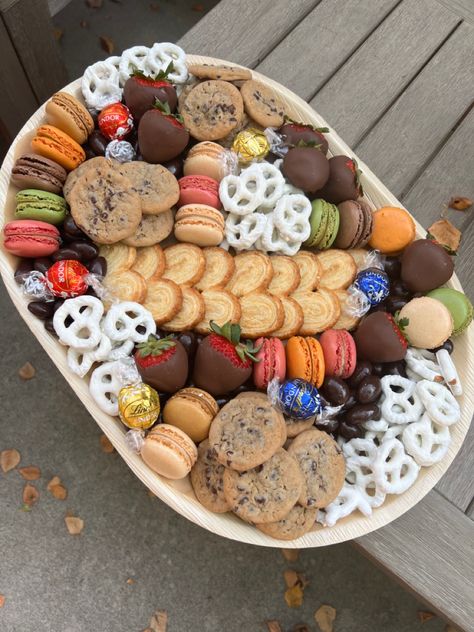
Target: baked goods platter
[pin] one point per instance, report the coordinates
(320, 417)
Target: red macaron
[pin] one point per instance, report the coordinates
(199, 190)
(340, 353)
(31, 238)
(271, 362)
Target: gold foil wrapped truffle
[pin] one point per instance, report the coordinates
(139, 406)
(251, 144)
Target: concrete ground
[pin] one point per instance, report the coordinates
(135, 555)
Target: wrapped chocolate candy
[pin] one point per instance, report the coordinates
(139, 406)
(67, 278)
(120, 150)
(115, 121)
(251, 144)
(374, 283)
(296, 398)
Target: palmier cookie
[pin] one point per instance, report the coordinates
(253, 273)
(212, 109)
(118, 256)
(293, 320)
(299, 521)
(207, 479)
(265, 493)
(149, 262)
(191, 313)
(185, 264)
(321, 310)
(218, 270)
(262, 314)
(286, 276)
(338, 269)
(220, 306)
(164, 299)
(157, 187)
(345, 320)
(226, 73)
(151, 230)
(105, 207)
(262, 104)
(246, 432)
(310, 270)
(99, 164)
(323, 465)
(125, 285)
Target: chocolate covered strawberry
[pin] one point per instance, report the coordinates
(293, 133)
(222, 362)
(162, 363)
(306, 168)
(161, 134)
(379, 338)
(343, 182)
(140, 91)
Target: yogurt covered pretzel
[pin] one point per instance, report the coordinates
(407, 400)
(439, 402)
(274, 182)
(360, 456)
(243, 232)
(105, 385)
(426, 441)
(291, 217)
(350, 499)
(101, 85)
(272, 241)
(81, 361)
(422, 363)
(161, 55)
(449, 372)
(394, 470)
(242, 194)
(84, 331)
(132, 59)
(123, 321)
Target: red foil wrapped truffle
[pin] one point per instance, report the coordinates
(66, 278)
(115, 121)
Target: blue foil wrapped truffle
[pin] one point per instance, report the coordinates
(298, 399)
(374, 283)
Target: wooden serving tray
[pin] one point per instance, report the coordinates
(179, 494)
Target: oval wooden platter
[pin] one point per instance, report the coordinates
(179, 494)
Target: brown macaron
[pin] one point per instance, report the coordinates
(199, 224)
(355, 225)
(69, 115)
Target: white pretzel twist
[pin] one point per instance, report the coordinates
(426, 441)
(394, 470)
(349, 499)
(123, 319)
(101, 85)
(80, 361)
(120, 350)
(422, 363)
(291, 217)
(132, 59)
(242, 194)
(360, 455)
(361, 452)
(105, 385)
(242, 232)
(408, 400)
(449, 372)
(379, 425)
(271, 241)
(159, 57)
(84, 332)
(439, 402)
(274, 182)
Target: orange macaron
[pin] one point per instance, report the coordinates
(392, 230)
(52, 143)
(305, 359)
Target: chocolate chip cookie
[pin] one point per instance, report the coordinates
(101, 166)
(226, 73)
(207, 479)
(104, 206)
(212, 109)
(246, 432)
(157, 187)
(262, 104)
(151, 230)
(267, 492)
(299, 521)
(323, 466)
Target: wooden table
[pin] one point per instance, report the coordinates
(395, 79)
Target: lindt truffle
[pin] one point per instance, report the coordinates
(306, 168)
(425, 266)
(66, 278)
(162, 363)
(343, 182)
(296, 399)
(139, 406)
(251, 144)
(374, 283)
(379, 339)
(161, 135)
(115, 121)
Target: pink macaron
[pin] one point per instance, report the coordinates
(340, 353)
(271, 364)
(199, 190)
(31, 238)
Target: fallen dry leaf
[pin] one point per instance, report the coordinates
(154, 6)
(58, 491)
(2, 601)
(424, 616)
(325, 616)
(58, 33)
(94, 4)
(27, 371)
(30, 495)
(9, 459)
(446, 234)
(291, 577)
(294, 596)
(451, 628)
(300, 627)
(74, 525)
(54, 481)
(159, 621)
(198, 7)
(30, 472)
(107, 44)
(130, 581)
(106, 445)
(460, 203)
(290, 555)
(273, 626)
(84, 24)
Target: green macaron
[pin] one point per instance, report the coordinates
(40, 205)
(331, 228)
(459, 306)
(318, 221)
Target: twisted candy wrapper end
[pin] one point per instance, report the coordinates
(135, 440)
(35, 285)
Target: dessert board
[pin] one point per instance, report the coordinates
(179, 494)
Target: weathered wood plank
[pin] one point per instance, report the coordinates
(428, 550)
(410, 132)
(463, 8)
(313, 51)
(244, 31)
(17, 100)
(31, 31)
(359, 93)
(457, 485)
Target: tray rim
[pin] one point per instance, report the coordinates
(173, 493)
